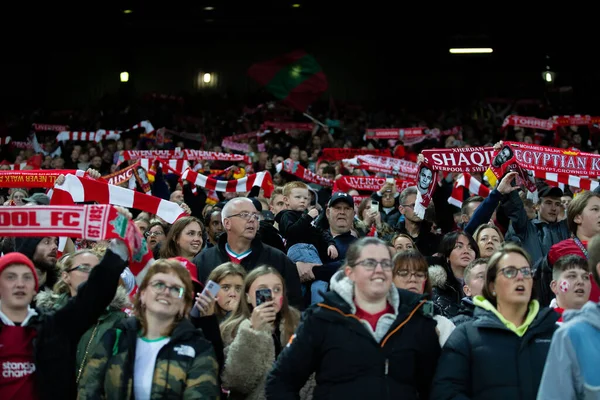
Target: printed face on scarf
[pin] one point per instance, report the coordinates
(503, 156)
(230, 292)
(17, 287)
(425, 178)
(371, 284)
(340, 216)
(549, 208)
(589, 220)
(46, 252)
(573, 294)
(190, 240)
(163, 303)
(277, 204)
(516, 290)
(77, 276)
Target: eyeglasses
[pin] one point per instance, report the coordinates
(406, 274)
(370, 264)
(81, 268)
(512, 272)
(148, 234)
(247, 216)
(174, 291)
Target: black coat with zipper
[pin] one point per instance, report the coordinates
(483, 359)
(348, 361)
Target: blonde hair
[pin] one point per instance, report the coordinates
(287, 189)
(289, 315)
(64, 264)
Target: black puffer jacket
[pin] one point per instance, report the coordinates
(349, 362)
(483, 359)
(447, 290)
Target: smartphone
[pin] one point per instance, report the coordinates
(212, 288)
(390, 180)
(374, 206)
(263, 295)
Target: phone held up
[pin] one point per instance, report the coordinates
(263, 296)
(374, 206)
(212, 288)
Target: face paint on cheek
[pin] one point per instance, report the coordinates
(564, 286)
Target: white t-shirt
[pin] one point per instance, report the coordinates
(146, 352)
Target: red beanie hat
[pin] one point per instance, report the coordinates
(191, 267)
(18, 258)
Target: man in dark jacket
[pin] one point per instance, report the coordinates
(43, 251)
(240, 245)
(420, 230)
(41, 346)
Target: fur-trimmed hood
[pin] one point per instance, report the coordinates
(437, 276)
(48, 300)
(344, 287)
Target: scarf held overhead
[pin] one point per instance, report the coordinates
(77, 190)
(337, 154)
(262, 179)
(294, 168)
(33, 178)
(366, 183)
(388, 165)
(185, 154)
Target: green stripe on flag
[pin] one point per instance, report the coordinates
(292, 75)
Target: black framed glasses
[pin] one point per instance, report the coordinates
(406, 274)
(370, 264)
(245, 215)
(512, 272)
(174, 291)
(81, 268)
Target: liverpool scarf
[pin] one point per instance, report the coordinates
(392, 166)
(50, 127)
(287, 126)
(77, 190)
(262, 179)
(244, 147)
(337, 154)
(466, 159)
(299, 171)
(33, 178)
(101, 134)
(366, 183)
(185, 154)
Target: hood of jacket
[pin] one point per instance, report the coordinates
(344, 287)
(437, 276)
(47, 299)
(590, 313)
(533, 312)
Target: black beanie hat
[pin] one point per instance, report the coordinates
(27, 245)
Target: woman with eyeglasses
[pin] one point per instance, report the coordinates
(501, 353)
(410, 273)
(158, 353)
(156, 236)
(74, 270)
(366, 340)
(185, 239)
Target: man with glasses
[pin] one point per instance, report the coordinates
(240, 244)
(418, 229)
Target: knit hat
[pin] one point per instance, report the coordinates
(27, 245)
(18, 258)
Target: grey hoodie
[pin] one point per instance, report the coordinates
(571, 370)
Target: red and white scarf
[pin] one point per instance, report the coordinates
(22, 145)
(5, 140)
(529, 122)
(50, 127)
(262, 179)
(119, 177)
(475, 187)
(287, 126)
(185, 154)
(299, 171)
(401, 168)
(464, 159)
(77, 190)
(235, 146)
(337, 154)
(366, 183)
(394, 133)
(101, 134)
(43, 178)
